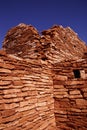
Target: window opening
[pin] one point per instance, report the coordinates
(76, 73)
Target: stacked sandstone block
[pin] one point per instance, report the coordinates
(31, 79)
(26, 95)
(54, 45)
(70, 95)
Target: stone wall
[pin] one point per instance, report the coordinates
(43, 80)
(70, 94)
(55, 44)
(26, 95)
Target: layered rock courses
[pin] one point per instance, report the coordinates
(43, 80)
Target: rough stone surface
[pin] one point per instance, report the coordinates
(43, 80)
(55, 44)
(70, 95)
(26, 95)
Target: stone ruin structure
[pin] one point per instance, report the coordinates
(43, 80)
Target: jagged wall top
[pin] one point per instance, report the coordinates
(55, 44)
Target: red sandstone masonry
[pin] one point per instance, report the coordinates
(38, 88)
(25, 103)
(70, 102)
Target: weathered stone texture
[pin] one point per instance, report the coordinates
(55, 44)
(26, 92)
(43, 80)
(70, 95)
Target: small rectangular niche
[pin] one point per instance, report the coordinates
(79, 73)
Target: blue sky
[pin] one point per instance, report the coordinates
(43, 14)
